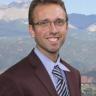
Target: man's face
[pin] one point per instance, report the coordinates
(49, 34)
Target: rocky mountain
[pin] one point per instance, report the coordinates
(19, 4)
(91, 73)
(72, 26)
(15, 10)
(13, 14)
(80, 47)
(82, 21)
(92, 28)
(13, 28)
(19, 10)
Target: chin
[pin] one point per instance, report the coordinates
(53, 50)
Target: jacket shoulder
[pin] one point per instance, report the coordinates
(70, 67)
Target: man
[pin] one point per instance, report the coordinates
(39, 73)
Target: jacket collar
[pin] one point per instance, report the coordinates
(43, 76)
(41, 73)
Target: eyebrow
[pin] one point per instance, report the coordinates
(47, 19)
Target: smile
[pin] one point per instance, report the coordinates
(53, 39)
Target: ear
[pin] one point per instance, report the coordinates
(31, 31)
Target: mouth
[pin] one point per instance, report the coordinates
(53, 39)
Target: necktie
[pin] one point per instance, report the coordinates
(61, 86)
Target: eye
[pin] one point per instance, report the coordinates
(42, 23)
(60, 22)
(45, 22)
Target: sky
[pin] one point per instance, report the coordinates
(86, 7)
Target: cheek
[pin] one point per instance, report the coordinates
(63, 32)
(39, 35)
(39, 30)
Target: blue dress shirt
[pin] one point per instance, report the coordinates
(49, 65)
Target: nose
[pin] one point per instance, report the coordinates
(53, 28)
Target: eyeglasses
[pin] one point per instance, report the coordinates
(46, 23)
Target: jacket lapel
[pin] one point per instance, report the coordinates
(42, 74)
(70, 79)
(71, 83)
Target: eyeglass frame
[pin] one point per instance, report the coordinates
(46, 23)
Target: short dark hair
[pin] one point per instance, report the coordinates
(35, 3)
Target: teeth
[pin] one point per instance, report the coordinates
(53, 39)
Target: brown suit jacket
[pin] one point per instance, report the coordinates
(29, 78)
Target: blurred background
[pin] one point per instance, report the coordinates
(79, 49)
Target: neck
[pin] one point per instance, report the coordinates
(51, 55)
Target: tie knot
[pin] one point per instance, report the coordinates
(57, 72)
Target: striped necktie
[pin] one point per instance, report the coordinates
(61, 86)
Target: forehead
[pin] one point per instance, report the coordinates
(48, 11)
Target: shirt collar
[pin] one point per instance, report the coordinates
(49, 64)
(62, 66)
